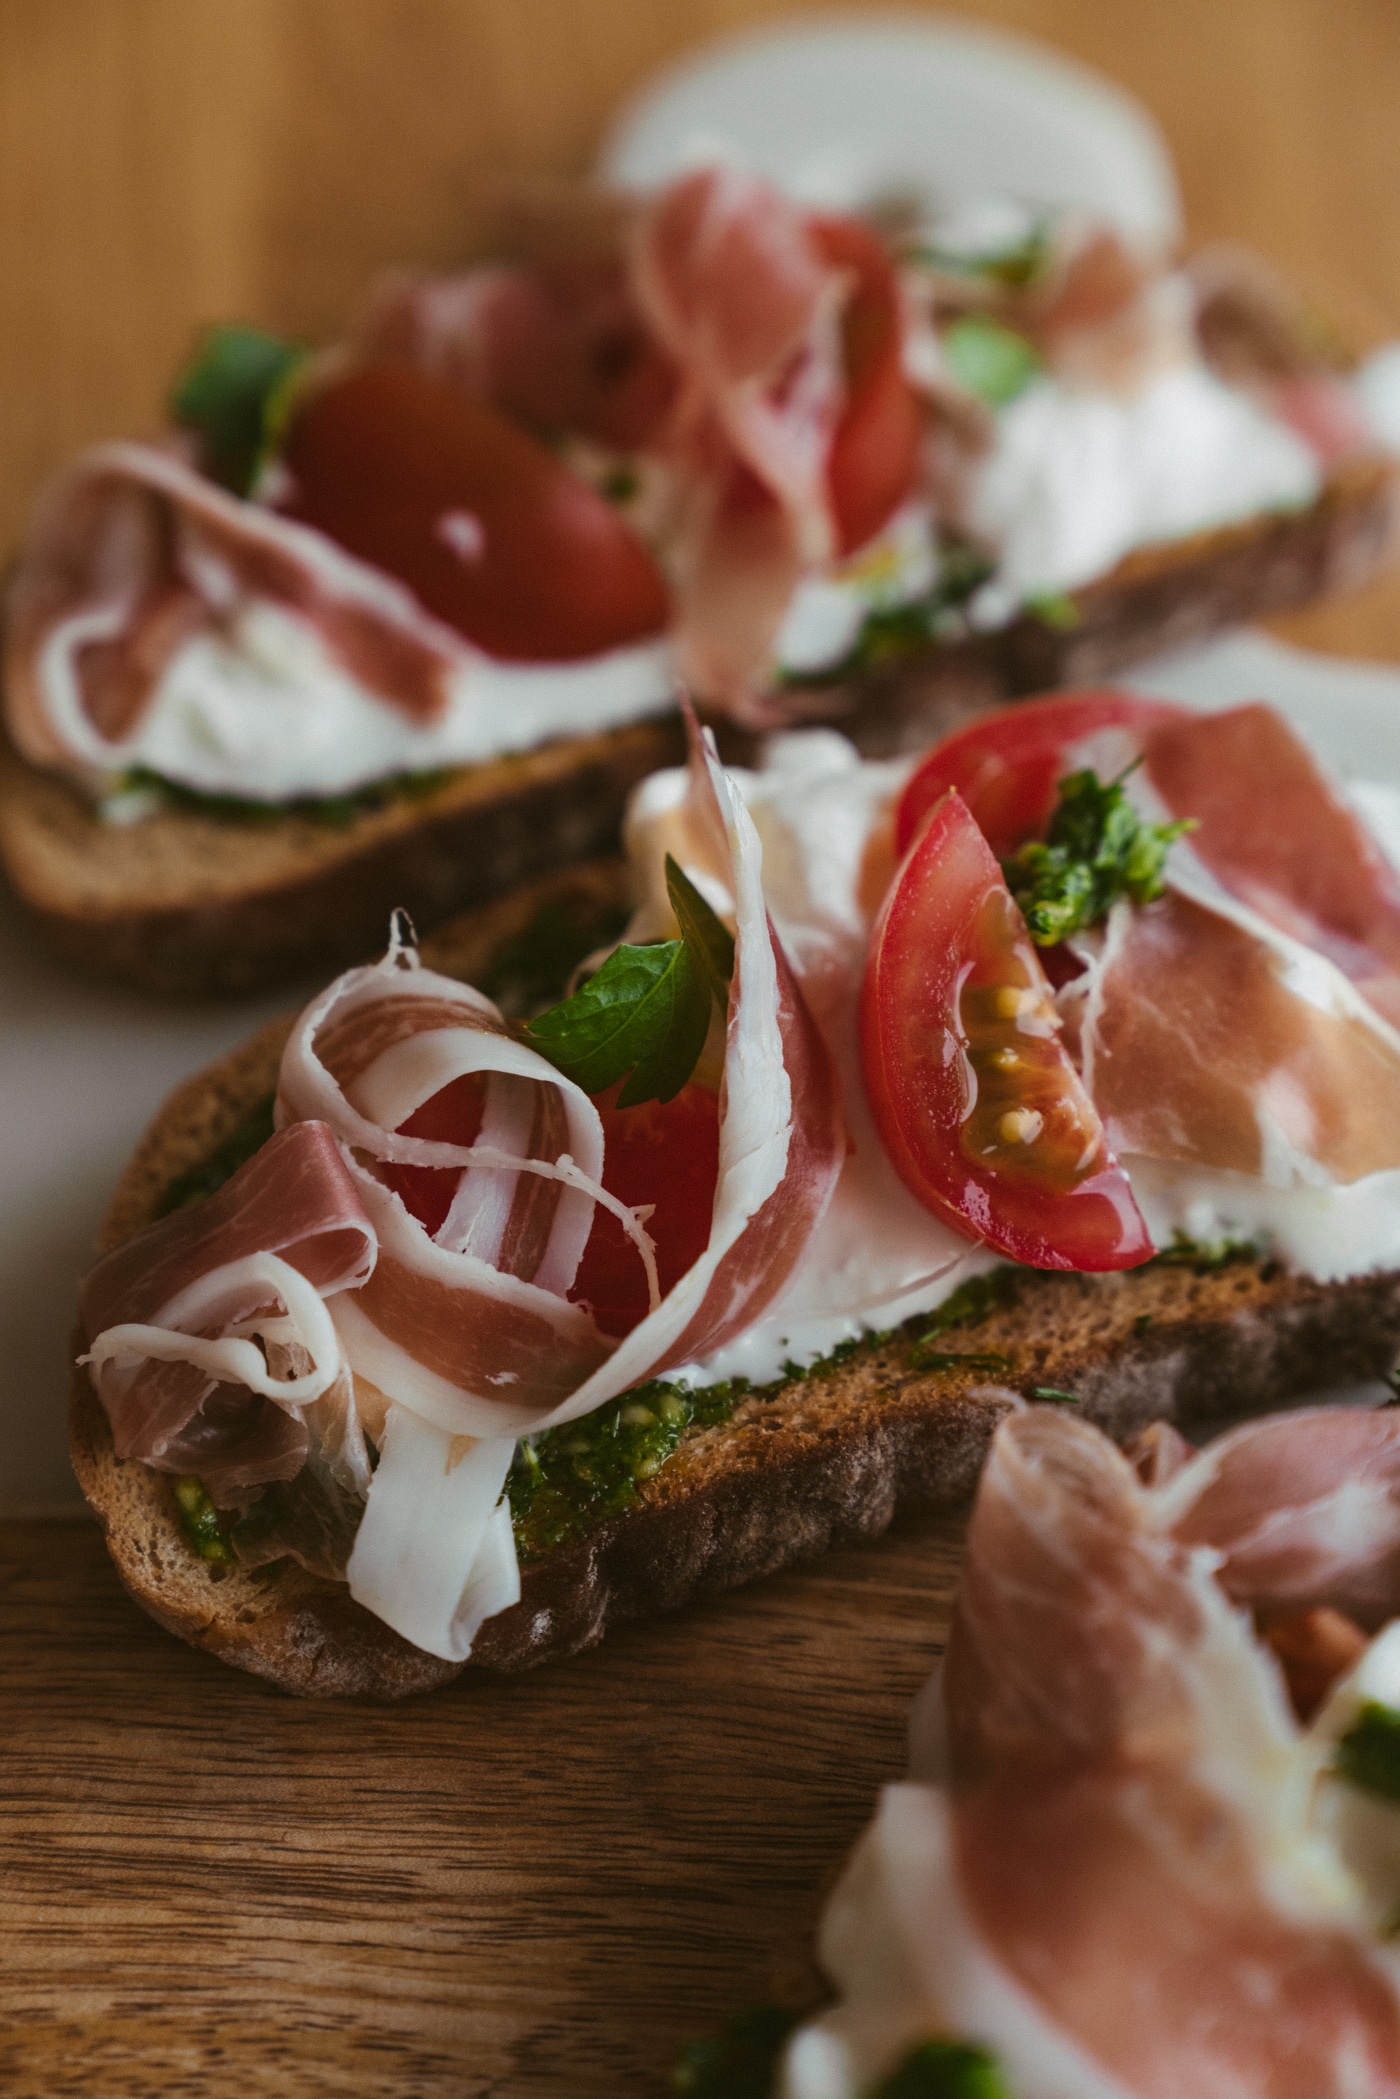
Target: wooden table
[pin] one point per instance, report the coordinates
(518, 1886)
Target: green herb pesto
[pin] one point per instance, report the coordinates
(890, 632)
(989, 360)
(567, 1479)
(203, 1525)
(334, 812)
(1203, 1254)
(234, 393)
(968, 1305)
(250, 1135)
(1097, 850)
(741, 2062)
(1369, 1752)
(944, 2069)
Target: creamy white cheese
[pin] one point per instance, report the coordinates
(828, 610)
(1077, 478)
(261, 708)
(824, 817)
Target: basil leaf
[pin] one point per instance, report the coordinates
(988, 360)
(706, 935)
(231, 394)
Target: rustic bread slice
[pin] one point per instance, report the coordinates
(186, 902)
(819, 1461)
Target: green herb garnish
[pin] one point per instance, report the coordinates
(922, 1358)
(889, 632)
(944, 2070)
(1097, 850)
(334, 811)
(235, 393)
(1018, 265)
(1054, 608)
(989, 360)
(1204, 1254)
(741, 2062)
(203, 1525)
(1369, 1752)
(647, 1010)
(247, 1137)
(1055, 1394)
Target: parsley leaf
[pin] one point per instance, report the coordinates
(1097, 850)
(647, 1009)
(233, 393)
(944, 2069)
(988, 360)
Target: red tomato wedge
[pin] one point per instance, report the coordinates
(982, 1114)
(481, 522)
(663, 1154)
(1008, 765)
(876, 448)
(666, 1153)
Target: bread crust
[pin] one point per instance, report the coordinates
(821, 1461)
(185, 903)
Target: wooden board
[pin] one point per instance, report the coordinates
(539, 1885)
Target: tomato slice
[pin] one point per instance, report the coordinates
(1008, 765)
(452, 1116)
(666, 1153)
(482, 523)
(981, 1111)
(876, 449)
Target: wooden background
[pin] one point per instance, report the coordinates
(537, 1887)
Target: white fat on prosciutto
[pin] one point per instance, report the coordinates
(210, 1341)
(471, 1332)
(1120, 1886)
(133, 556)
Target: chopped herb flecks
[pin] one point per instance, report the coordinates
(1204, 1254)
(1369, 1752)
(1098, 849)
(890, 632)
(334, 812)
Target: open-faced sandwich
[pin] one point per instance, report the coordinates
(399, 623)
(1150, 1841)
(1058, 1064)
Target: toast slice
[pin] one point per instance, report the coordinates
(190, 901)
(827, 1457)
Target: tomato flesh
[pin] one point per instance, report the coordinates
(666, 1153)
(980, 1109)
(877, 445)
(1008, 766)
(484, 525)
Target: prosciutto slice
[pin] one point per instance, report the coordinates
(132, 554)
(1207, 1037)
(470, 1331)
(1275, 831)
(176, 1316)
(1118, 1889)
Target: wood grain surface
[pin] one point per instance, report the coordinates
(519, 1887)
(539, 1886)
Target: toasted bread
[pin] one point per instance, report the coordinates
(186, 902)
(821, 1460)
